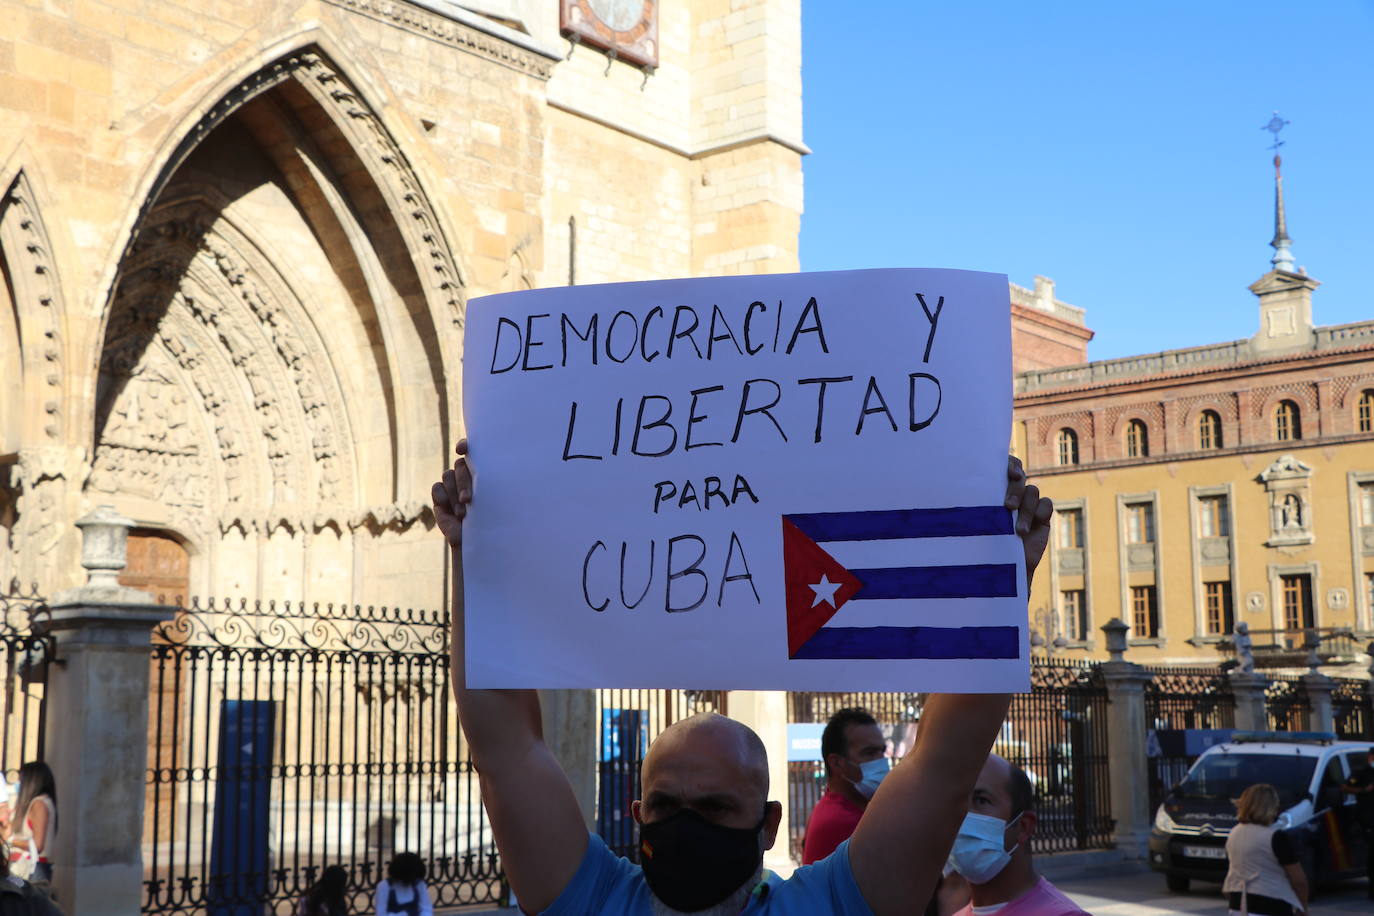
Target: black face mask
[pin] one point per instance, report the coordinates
(691, 863)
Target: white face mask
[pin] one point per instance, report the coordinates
(980, 851)
(872, 773)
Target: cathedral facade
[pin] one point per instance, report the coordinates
(237, 239)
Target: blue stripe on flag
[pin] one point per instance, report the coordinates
(913, 642)
(885, 524)
(986, 580)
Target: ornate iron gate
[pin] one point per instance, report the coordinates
(1057, 733)
(350, 752)
(1182, 699)
(24, 652)
(1352, 706)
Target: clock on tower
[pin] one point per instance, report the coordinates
(628, 29)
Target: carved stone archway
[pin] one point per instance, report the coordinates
(272, 381)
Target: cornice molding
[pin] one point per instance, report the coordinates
(489, 40)
(1303, 361)
(1048, 470)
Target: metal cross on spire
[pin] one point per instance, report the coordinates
(1275, 125)
(1282, 244)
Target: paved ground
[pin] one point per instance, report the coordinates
(1144, 894)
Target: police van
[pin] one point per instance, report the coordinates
(1308, 769)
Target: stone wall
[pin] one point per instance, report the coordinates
(239, 238)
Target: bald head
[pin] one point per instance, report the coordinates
(711, 764)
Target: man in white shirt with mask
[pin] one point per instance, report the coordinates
(992, 850)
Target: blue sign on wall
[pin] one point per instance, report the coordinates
(239, 862)
(804, 740)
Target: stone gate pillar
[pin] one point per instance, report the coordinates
(1251, 712)
(765, 711)
(1126, 733)
(571, 732)
(97, 732)
(1320, 715)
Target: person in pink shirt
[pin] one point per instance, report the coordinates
(855, 754)
(992, 850)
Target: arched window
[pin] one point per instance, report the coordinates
(1287, 421)
(1068, 447)
(1364, 411)
(1137, 440)
(1209, 430)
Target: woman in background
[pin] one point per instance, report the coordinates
(33, 823)
(1265, 878)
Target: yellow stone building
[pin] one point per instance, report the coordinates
(237, 238)
(1210, 486)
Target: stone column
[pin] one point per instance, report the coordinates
(97, 741)
(766, 713)
(1126, 728)
(1251, 712)
(571, 731)
(1320, 716)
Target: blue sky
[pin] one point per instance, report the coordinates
(1115, 147)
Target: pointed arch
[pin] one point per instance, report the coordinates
(33, 325)
(306, 77)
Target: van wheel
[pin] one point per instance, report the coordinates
(1177, 883)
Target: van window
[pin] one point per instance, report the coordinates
(1222, 777)
(1329, 794)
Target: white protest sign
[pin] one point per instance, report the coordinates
(766, 482)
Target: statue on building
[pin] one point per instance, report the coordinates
(1245, 656)
(1290, 513)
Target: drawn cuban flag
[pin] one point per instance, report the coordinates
(890, 584)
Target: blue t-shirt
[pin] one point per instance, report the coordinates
(608, 884)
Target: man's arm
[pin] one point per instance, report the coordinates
(534, 814)
(902, 842)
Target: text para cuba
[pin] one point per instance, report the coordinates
(657, 425)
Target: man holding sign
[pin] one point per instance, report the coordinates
(782, 482)
(705, 816)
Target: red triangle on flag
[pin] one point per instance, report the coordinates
(807, 567)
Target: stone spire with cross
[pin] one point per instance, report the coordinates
(1285, 292)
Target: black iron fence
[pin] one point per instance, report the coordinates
(24, 654)
(286, 738)
(1057, 733)
(1352, 706)
(897, 714)
(1179, 699)
(1286, 701)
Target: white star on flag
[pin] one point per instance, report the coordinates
(825, 591)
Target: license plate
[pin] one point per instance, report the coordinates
(1205, 852)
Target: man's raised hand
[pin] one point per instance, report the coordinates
(1033, 514)
(451, 496)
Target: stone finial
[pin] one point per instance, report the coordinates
(1115, 631)
(104, 546)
